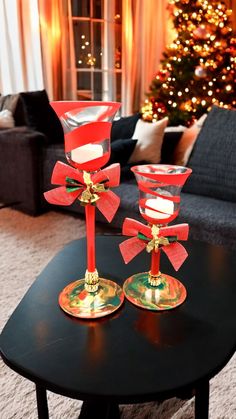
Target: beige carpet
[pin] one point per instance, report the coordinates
(26, 246)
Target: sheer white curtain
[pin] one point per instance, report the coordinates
(20, 51)
(128, 73)
(145, 35)
(108, 56)
(58, 53)
(37, 53)
(31, 62)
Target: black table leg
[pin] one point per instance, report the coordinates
(91, 410)
(42, 402)
(202, 400)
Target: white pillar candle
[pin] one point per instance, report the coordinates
(86, 153)
(159, 204)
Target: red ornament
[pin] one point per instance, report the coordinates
(160, 108)
(162, 74)
(200, 72)
(201, 32)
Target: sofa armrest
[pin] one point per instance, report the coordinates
(20, 168)
(20, 136)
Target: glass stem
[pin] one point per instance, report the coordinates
(155, 262)
(90, 232)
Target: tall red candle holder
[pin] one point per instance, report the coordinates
(87, 128)
(159, 202)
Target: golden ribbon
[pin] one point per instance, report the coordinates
(89, 195)
(156, 241)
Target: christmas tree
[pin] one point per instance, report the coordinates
(198, 69)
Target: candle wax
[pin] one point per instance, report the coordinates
(86, 153)
(159, 204)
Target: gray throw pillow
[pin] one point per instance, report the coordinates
(213, 159)
(14, 104)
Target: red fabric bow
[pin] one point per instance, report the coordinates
(133, 246)
(107, 203)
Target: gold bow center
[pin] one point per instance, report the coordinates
(156, 240)
(90, 194)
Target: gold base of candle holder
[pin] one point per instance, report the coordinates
(91, 297)
(159, 292)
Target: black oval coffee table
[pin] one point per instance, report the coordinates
(134, 355)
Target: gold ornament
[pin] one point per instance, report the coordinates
(225, 30)
(156, 241)
(219, 58)
(89, 196)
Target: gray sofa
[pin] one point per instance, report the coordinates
(208, 200)
(210, 219)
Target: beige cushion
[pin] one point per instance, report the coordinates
(186, 143)
(6, 119)
(150, 137)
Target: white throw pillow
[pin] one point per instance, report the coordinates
(6, 119)
(150, 137)
(179, 128)
(187, 141)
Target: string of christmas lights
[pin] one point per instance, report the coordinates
(198, 68)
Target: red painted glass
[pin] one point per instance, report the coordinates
(87, 127)
(159, 204)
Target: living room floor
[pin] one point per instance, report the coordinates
(27, 244)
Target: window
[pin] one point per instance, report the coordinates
(97, 38)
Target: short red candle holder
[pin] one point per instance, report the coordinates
(159, 189)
